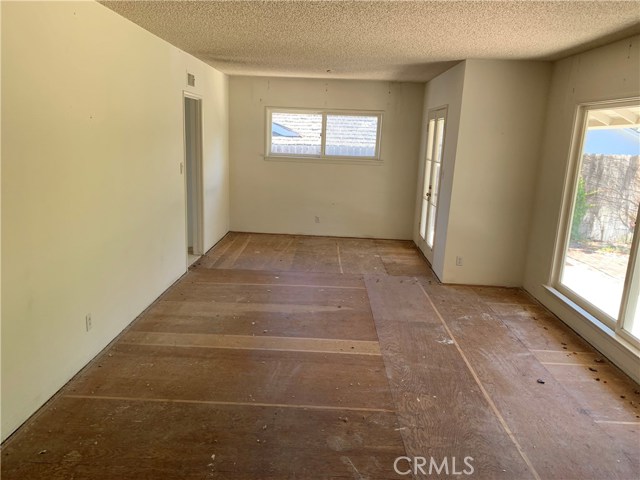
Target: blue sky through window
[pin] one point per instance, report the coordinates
(613, 141)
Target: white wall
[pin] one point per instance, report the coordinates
(606, 73)
(93, 202)
(444, 90)
(350, 199)
(501, 124)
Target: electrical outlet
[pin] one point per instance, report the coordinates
(88, 321)
(317, 219)
(458, 261)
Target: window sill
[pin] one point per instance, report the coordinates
(593, 321)
(331, 160)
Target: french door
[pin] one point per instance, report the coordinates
(430, 185)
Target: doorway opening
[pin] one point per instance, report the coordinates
(193, 176)
(430, 186)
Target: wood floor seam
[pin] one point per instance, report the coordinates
(339, 259)
(225, 247)
(486, 395)
(276, 285)
(234, 258)
(243, 404)
(346, 340)
(570, 364)
(616, 422)
(555, 351)
(257, 349)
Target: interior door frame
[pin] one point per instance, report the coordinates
(198, 234)
(432, 114)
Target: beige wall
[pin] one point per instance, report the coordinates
(606, 73)
(491, 149)
(500, 132)
(93, 202)
(444, 90)
(350, 199)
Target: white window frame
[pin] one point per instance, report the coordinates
(323, 157)
(578, 303)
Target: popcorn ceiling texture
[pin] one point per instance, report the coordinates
(389, 40)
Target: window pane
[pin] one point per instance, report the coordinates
(605, 210)
(351, 135)
(296, 133)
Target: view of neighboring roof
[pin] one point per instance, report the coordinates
(278, 130)
(305, 128)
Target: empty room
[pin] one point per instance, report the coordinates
(320, 240)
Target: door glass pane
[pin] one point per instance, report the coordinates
(423, 218)
(605, 208)
(439, 139)
(432, 224)
(296, 133)
(430, 139)
(428, 167)
(436, 184)
(425, 200)
(426, 180)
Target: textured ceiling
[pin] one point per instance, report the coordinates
(388, 40)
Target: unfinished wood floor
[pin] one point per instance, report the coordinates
(288, 357)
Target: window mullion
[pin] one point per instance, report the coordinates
(269, 130)
(630, 278)
(569, 195)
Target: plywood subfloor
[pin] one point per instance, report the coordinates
(290, 357)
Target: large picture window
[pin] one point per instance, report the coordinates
(597, 263)
(323, 134)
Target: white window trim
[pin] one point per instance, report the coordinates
(575, 302)
(323, 157)
(620, 336)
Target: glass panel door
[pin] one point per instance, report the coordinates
(434, 188)
(426, 183)
(431, 181)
